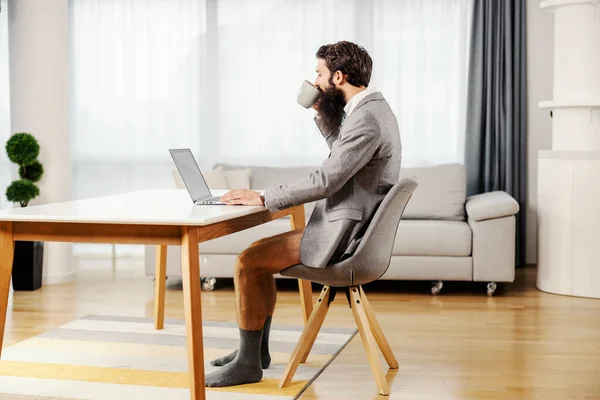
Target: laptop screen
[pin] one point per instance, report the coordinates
(190, 173)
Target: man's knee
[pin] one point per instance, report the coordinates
(247, 257)
(244, 260)
(260, 242)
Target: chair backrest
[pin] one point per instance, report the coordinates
(374, 253)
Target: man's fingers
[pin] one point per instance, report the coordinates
(231, 195)
(237, 196)
(227, 196)
(234, 201)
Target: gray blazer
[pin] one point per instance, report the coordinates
(363, 165)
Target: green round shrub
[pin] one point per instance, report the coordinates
(22, 148)
(22, 191)
(32, 172)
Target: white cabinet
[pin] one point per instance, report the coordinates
(569, 173)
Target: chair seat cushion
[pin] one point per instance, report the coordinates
(337, 275)
(432, 238)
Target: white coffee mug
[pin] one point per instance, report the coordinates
(308, 95)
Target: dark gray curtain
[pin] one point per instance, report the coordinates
(495, 153)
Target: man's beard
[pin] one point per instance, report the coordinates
(331, 109)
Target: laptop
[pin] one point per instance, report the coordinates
(192, 177)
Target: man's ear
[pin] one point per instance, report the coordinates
(339, 78)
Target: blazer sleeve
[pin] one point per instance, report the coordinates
(329, 138)
(348, 155)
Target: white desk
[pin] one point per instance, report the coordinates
(160, 217)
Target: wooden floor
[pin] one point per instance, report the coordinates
(522, 344)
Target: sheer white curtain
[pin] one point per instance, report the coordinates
(421, 50)
(5, 164)
(264, 51)
(136, 90)
(221, 77)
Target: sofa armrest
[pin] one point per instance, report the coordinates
(484, 206)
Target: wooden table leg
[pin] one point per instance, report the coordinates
(298, 222)
(190, 263)
(160, 287)
(7, 250)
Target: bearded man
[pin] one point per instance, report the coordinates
(363, 136)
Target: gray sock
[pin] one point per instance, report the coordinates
(265, 356)
(243, 369)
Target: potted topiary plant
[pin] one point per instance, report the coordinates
(23, 149)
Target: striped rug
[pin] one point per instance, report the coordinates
(109, 358)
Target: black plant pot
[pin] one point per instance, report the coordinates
(27, 266)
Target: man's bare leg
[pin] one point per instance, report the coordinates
(255, 301)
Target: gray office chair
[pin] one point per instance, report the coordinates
(368, 263)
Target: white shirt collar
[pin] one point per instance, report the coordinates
(349, 107)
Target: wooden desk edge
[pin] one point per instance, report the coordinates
(96, 232)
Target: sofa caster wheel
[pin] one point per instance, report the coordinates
(436, 286)
(491, 288)
(208, 284)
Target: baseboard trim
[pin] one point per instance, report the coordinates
(57, 279)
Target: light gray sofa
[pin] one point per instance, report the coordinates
(443, 235)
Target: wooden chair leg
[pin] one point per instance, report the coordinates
(362, 321)
(311, 330)
(380, 338)
(305, 288)
(159, 287)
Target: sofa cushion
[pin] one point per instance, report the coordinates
(263, 177)
(441, 194)
(238, 178)
(414, 238)
(432, 238)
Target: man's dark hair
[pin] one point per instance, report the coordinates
(350, 59)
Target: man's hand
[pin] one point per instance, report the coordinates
(316, 105)
(243, 197)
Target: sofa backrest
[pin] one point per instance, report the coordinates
(263, 177)
(441, 193)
